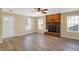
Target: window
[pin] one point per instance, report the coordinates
(27, 24)
(73, 23)
(40, 23)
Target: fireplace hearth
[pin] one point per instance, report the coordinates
(53, 29)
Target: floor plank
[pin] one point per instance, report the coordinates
(39, 42)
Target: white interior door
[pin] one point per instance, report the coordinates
(41, 25)
(8, 26)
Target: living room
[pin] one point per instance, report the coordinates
(39, 29)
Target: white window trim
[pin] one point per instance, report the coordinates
(67, 25)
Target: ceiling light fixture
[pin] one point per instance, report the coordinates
(39, 13)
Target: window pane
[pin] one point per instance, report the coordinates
(73, 23)
(28, 24)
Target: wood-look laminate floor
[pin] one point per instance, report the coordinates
(39, 42)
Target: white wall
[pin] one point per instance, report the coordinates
(64, 32)
(19, 25)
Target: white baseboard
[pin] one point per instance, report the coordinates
(19, 35)
(40, 31)
(70, 37)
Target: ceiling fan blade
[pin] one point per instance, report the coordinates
(44, 12)
(38, 9)
(41, 10)
(44, 9)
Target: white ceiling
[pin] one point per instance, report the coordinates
(29, 11)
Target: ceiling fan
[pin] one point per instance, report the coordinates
(41, 10)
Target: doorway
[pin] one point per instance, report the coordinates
(41, 24)
(8, 26)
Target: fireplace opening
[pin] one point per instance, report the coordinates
(52, 28)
